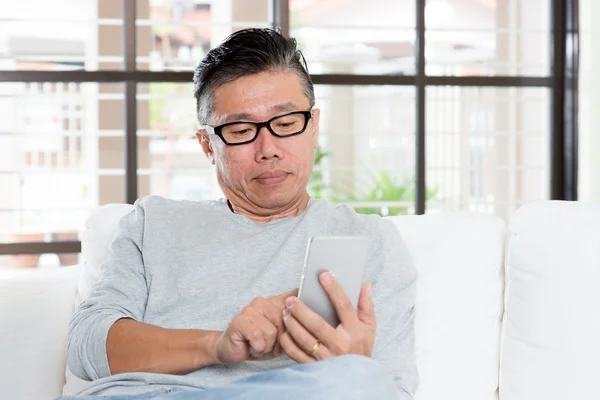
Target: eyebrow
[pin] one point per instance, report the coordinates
(283, 107)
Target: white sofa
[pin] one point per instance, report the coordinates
(545, 344)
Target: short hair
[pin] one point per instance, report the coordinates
(247, 52)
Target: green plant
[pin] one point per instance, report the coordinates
(378, 187)
(316, 185)
(382, 187)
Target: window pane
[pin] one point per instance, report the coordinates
(61, 155)
(175, 35)
(487, 148)
(491, 37)
(367, 148)
(368, 37)
(171, 162)
(61, 35)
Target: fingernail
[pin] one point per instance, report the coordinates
(326, 278)
(289, 302)
(286, 313)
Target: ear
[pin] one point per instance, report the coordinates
(316, 115)
(204, 141)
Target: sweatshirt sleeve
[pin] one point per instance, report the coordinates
(394, 280)
(121, 292)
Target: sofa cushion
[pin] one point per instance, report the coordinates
(551, 338)
(459, 258)
(35, 309)
(98, 233)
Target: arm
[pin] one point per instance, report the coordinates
(136, 346)
(399, 355)
(105, 335)
(394, 294)
(252, 334)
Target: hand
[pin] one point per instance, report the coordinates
(308, 337)
(253, 334)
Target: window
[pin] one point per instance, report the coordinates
(366, 154)
(170, 159)
(96, 106)
(356, 37)
(62, 35)
(487, 148)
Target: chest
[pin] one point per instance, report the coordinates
(206, 283)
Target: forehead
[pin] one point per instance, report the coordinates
(259, 95)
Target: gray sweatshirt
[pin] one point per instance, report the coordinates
(195, 265)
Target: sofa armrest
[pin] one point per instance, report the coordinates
(35, 309)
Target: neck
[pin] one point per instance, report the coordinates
(260, 215)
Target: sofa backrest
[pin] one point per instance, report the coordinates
(551, 337)
(459, 258)
(96, 236)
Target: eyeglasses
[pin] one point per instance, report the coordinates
(242, 132)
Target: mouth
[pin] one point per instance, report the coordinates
(272, 177)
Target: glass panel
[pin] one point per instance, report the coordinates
(176, 35)
(366, 37)
(487, 37)
(487, 148)
(61, 35)
(170, 159)
(61, 155)
(367, 148)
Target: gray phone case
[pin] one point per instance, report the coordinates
(345, 257)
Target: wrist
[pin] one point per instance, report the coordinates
(207, 349)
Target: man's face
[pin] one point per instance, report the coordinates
(271, 172)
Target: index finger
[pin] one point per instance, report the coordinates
(342, 304)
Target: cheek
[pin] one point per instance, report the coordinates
(232, 165)
(304, 157)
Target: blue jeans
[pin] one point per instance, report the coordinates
(346, 377)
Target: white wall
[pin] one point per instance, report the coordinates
(589, 102)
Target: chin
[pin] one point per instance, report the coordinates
(273, 199)
(272, 202)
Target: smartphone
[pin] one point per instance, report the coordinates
(345, 257)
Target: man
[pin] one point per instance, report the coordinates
(197, 300)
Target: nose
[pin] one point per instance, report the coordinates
(267, 145)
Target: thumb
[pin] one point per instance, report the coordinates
(293, 292)
(232, 348)
(366, 309)
(279, 300)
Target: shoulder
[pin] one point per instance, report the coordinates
(159, 204)
(343, 219)
(388, 250)
(158, 211)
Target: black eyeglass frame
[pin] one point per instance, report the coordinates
(218, 130)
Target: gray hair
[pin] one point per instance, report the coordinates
(247, 52)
